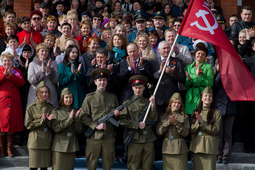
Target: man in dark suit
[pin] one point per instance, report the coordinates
(173, 75)
(101, 62)
(133, 65)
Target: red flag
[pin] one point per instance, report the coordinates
(200, 23)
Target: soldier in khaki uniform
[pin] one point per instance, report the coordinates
(66, 124)
(205, 126)
(141, 148)
(37, 121)
(96, 105)
(174, 124)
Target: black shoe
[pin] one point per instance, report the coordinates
(225, 161)
(219, 160)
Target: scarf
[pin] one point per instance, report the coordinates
(119, 54)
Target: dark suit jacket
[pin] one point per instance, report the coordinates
(169, 84)
(123, 74)
(112, 84)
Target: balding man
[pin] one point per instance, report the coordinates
(133, 65)
(173, 75)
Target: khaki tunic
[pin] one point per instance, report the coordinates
(65, 146)
(62, 43)
(204, 139)
(142, 143)
(174, 147)
(40, 137)
(95, 106)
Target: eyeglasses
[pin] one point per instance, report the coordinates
(177, 25)
(36, 18)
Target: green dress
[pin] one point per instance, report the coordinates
(73, 81)
(197, 84)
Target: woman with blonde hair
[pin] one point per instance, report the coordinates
(174, 124)
(145, 48)
(11, 117)
(120, 29)
(38, 116)
(105, 39)
(42, 68)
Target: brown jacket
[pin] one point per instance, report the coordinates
(129, 116)
(174, 142)
(40, 136)
(204, 134)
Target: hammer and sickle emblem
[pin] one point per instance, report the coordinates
(203, 13)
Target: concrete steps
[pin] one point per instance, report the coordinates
(238, 161)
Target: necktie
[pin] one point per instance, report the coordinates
(134, 66)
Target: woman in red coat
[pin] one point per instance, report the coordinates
(11, 117)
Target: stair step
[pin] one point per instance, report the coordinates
(238, 147)
(17, 161)
(242, 158)
(235, 166)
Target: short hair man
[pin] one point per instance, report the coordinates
(141, 148)
(245, 22)
(95, 106)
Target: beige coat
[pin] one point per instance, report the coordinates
(95, 106)
(40, 136)
(62, 43)
(129, 116)
(179, 130)
(63, 125)
(207, 142)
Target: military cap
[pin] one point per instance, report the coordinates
(140, 15)
(65, 91)
(159, 15)
(208, 90)
(176, 96)
(100, 73)
(44, 5)
(137, 80)
(221, 20)
(139, 11)
(41, 84)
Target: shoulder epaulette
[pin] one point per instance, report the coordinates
(89, 94)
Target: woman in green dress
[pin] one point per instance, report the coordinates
(199, 75)
(38, 116)
(205, 126)
(66, 124)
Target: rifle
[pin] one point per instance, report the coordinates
(89, 132)
(129, 138)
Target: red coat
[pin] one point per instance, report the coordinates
(37, 37)
(11, 116)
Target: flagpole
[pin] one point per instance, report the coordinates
(161, 75)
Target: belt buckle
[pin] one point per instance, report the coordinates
(145, 132)
(171, 137)
(200, 133)
(69, 134)
(45, 130)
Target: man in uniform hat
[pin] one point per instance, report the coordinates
(95, 106)
(159, 20)
(141, 148)
(140, 20)
(102, 62)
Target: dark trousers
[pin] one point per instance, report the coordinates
(225, 137)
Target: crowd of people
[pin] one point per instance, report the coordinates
(71, 63)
